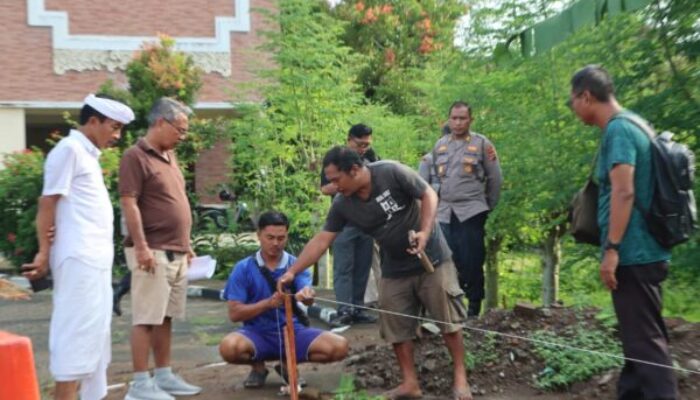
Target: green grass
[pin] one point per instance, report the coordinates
(209, 338)
(564, 366)
(480, 352)
(520, 279)
(206, 320)
(346, 391)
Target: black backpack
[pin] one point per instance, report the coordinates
(672, 216)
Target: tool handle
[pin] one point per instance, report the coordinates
(424, 260)
(290, 350)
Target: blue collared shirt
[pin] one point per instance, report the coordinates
(247, 285)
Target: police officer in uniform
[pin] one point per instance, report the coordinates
(469, 175)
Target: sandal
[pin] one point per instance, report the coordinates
(255, 379)
(282, 372)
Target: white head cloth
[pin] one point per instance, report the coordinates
(110, 108)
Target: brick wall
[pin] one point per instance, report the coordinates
(213, 169)
(26, 65)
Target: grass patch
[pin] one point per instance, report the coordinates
(209, 338)
(564, 366)
(480, 352)
(347, 391)
(206, 320)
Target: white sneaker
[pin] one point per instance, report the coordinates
(176, 386)
(146, 390)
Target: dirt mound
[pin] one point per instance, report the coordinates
(509, 362)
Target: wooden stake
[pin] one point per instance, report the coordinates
(290, 348)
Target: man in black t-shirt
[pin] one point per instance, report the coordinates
(386, 200)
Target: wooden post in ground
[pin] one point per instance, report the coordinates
(290, 348)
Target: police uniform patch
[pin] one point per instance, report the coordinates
(491, 153)
(442, 148)
(468, 168)
(473, 149)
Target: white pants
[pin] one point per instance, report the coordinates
(80, 336)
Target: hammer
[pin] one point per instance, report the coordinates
(424, 260)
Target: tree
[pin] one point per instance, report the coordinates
(310, 96)
(397, 39)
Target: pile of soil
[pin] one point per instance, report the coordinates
(509, 364)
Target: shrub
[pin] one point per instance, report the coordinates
(20, 187)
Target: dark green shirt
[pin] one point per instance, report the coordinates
(624, 143)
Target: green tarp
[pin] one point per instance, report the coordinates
(552, 31)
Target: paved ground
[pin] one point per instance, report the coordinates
(195, 354)
(195, 351)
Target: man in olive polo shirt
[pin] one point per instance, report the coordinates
(157, 247)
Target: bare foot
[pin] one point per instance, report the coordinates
(404, 392)
(462, 393)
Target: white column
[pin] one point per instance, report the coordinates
(12, 131)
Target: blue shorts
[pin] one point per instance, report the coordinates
(269, 345)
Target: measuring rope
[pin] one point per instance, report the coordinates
(512, 336)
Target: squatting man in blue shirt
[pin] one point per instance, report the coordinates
(253, 299)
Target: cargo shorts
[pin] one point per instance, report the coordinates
(438, 293)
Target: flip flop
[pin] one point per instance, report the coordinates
(461, 394)
(255, 379)
(282, 372)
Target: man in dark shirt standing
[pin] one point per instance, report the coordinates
(386, 200)
(352, 248)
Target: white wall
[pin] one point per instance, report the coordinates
(12, 131)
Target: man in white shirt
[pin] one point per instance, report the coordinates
(76, 202)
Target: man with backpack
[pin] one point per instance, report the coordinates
(634, 263)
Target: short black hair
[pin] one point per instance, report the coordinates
(459, 103)
(342, 157)
(359, 131)
(87, 111)
(596, 80)
(272, 218)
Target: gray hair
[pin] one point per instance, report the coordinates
(168, 109)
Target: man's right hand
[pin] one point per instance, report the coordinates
(145, 260)
(329, 189)
(285, 280)
(37, 268)
(275, 301)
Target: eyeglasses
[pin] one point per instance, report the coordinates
(361, 144)
(181, 131)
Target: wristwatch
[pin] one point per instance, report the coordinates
(608, 245)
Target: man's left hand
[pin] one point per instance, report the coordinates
(418, 242)
(190, 255)
(608, 267)
(305, 295)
